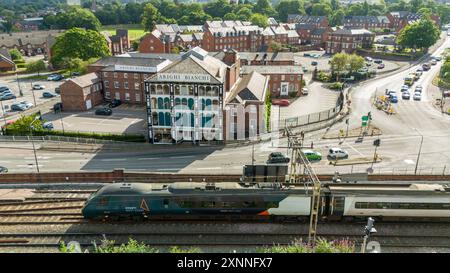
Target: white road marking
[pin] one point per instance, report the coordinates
(114, 159)
(186, 156)
(351, 147)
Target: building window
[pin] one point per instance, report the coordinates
(282, 77)
(152, 48)
(125, 85)
(127, 96)
(292, 78)
(125, 75)
(136, 85)
(116, 85)
(138, 97)
(105, 74)
(136, 76)
(106, 84)
(107, 95)
(115, 75)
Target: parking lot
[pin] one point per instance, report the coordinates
(33, 96)
(125, 119)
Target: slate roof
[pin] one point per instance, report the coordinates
(85, 80)
(297, 18)
(251, 87)
(272, 69)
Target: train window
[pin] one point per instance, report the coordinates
(103, 201)
(166, 203)
(398, 205)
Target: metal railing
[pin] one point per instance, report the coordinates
(56, 139)
(428, 170)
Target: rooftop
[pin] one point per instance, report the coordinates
(85, 80)
(272, 69)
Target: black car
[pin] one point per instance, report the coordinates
(277, 157)
(48, 94)
(103, 111)
(75, 74)
(3, 169)
(115, 103)
(57, 107)
(378, 61)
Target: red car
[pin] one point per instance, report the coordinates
(281, 102)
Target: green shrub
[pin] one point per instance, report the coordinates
(322, 246)
(336, 85)
(323, 77)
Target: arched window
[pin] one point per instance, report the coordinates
(166, 89)
(161, 119)
(208, 91)
(215, 91)
(160, 103)
(168, 119)
(152, 89)
(184, 101)
(201, 91)
(159, 89)
(202, 104)
(154, 103)
(177, 89)
(208, 105)
(166, 103)
(177, 101)
(191, 104)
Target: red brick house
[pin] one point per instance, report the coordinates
(283, 79)
(319, 36)
(367, 22)
(82, 93)
(316, 21)
(348, 40)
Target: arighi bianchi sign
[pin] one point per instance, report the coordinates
(183, 77)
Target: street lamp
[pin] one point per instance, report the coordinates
(18, 83)
(368, 230)
(32, 142)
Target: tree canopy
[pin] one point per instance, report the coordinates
(73, 17)
(79, 43)
(421, 34)
(259, 20)
(150, 17)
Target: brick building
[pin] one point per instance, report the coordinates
(316, 21)
(267, 58)
(186, 100)
(319, 36)
(29, 43)
(400, 19)
(284, 80)
(6, 62)
(82, 93)
(118, 43)
(348, 40)
(123, 77)
(367, 22)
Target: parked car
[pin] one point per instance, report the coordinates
(55, 77)
(368, 59)
(7, 96)
(314, 63)
(277, 157)
(48, 94)
(378, 61)
(75, 74)
(417, 96)
(47, 125)
(446, 94)
(58, 90)
(27, 104)
(18, 107)
(437, 58)
(312, 155)
(115, 103)
(5, 91)
(305, 91)
(418, 88)
(368, 64)
(426, 66)
(406, 95)
(433, 62)
(3, 169)
(103, 111)
(336, 153)
(38, 87)
(3, 88)
(393, 99)
(404, 88)
(381, 66)
(281, 102)
(390, 92)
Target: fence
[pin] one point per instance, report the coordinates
(56, 139)
(312, 118)
(429, 170)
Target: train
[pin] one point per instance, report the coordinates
(268, 201)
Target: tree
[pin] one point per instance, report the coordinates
(321, 9)
(264, 7)
(259, 20)
(275, 47)
(73, 17)
(150, 17)
(244, 13)
(339, 63)
(230, 16)
(73, 64)
(15, 55)
(36, 66)
(22, 126)
(79, 43)
(286, 7)
(218, 8)
(415, 5)
(421, 34)
(355, 63)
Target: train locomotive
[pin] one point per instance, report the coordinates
(268, 201)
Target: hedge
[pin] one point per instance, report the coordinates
(113, 137)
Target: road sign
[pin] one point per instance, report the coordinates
(364, 120)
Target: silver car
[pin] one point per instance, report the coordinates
(337, 153)
(417, 96)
